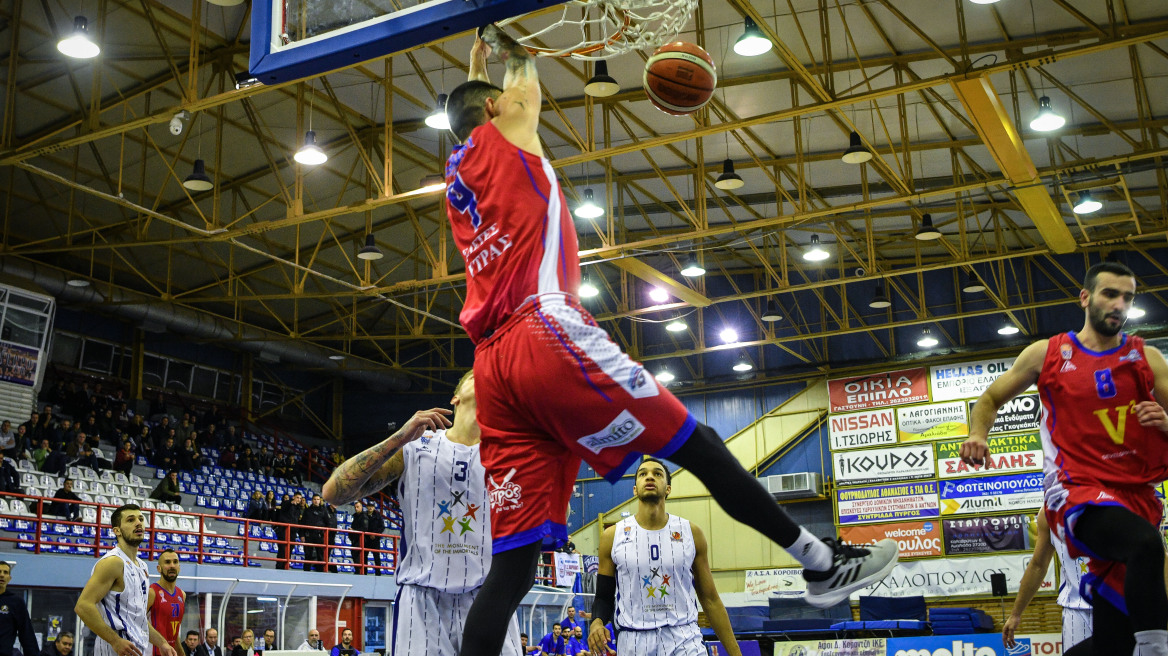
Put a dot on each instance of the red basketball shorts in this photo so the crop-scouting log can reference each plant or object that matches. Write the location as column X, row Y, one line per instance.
column 1103, row 577
column 552, row 388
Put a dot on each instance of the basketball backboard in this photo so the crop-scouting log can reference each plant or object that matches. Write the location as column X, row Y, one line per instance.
column 293, row 39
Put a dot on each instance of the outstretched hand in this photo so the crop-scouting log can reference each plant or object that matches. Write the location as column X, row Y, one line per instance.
column 424, row 420
column 480, row 51
column 598, row 639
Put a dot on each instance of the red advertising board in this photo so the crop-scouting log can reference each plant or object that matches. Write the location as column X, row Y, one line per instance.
column 878, row 390
column 915, row 539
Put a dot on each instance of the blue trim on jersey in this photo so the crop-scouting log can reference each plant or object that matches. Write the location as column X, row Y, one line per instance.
column 1092, row 583
column 530, row 176
column 1075, row 339
column 683, row 434
column 617, row 472
column 552, row 534
column 393, row 624
column 564, row 343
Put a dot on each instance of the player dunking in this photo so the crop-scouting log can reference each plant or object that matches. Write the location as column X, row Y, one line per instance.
column 167, row 602
column 552, row 386
column 661, row 569
column 446, row 535
column 113, row 602
column 1104, row 439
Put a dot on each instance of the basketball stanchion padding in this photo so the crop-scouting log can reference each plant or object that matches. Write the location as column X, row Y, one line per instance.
column 680, row 78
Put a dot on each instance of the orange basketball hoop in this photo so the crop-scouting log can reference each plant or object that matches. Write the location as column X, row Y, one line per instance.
column 608, row 28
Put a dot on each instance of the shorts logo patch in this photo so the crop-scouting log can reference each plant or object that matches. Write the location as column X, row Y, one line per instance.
column 505, row 495
column 620, row 431
column 638, row 383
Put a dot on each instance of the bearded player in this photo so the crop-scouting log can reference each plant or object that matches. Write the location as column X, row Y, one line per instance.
column 167, row 601
column 113, row 602
column 553, row 387
column 1105, row 446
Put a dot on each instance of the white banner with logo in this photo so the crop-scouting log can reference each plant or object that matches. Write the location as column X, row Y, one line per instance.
column 764, row 583
column 900, row 463
column 932, row 421
column 954, row 577
column 567, row 567
column 864, row 647
column 1021, row 413
column 860, row 429
column 966, row 380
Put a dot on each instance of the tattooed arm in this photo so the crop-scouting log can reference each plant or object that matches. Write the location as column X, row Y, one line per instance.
column 478, row 61
column 375, row 467
column 516, row 111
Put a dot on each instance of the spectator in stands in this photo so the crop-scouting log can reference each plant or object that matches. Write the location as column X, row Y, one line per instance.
column 65, row 433
column 291, row 512
column 30, row 426
column 62, row 646
column 90, row 427
column 7, row 438
column 61, row 506
column 270, row 499
column 371, row 526
column 185, row 429
column 257, row 507
column 107, row 426
column 55, row 462
column 553, row 643
column 167, row 489
column 248, row 461
column 235, row 642
column 269, row 640
column 576, row 645
column 229, row 436
column 346, row 648
column 213, row 437
column 191, row 644
column 40, row 454
column 14, row 620
column 59, row 394
column 210, row 646
column 265, row 461
column 23, row 440
column 280, row 466
column 124, row 459
column 48, row 422
column 145, row 441
column 570, row 623
column 158, row 406
column 166, row 457
column 312, row 642
column 316, row 517
column 74, row 449
column 9, row 477
column 227, row 457
column 189, row 458
column 161, row 430
column 87, row 458
column 246, row 646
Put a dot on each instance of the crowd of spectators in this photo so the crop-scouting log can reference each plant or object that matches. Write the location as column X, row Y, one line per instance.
column 313, row 523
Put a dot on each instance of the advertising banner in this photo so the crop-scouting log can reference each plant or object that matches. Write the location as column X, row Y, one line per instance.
column 978, row 644
column 987, row 534
column 1045, row 644
column 887, row 502
column 864, row 647
column 971, row 496
column 872, row 428
column 1008, row 454
column 966, row 380
column 878, row 390
column 935, row 421
column 915, row 539
column 567, row 567
column 18, row 364
column 764, row 583
column 1021, row 413
column 900, row 463
column 955, row 577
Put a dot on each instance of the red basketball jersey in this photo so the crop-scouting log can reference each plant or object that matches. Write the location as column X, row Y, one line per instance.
column 511, row 223
column 1089, row 430
column 166, row 613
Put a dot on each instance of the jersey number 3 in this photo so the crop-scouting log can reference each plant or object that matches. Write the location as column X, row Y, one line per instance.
column 463, row 199
column 460, row 467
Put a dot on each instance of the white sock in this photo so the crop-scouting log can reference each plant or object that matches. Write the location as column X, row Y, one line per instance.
column 1151, row 643
column 811, row 552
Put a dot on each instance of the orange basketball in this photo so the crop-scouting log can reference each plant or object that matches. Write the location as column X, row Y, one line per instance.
column 680, row 78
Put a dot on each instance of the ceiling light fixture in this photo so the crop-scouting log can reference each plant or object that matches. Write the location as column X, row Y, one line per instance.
column 927, row 340
column 1135, row 313
column 752, row 43
column 336, row 357
column 664, row 376
column 1047, row 119
column 676, row 326
column 1009, row 329
column 857, row 152
column 198, row 180
column 728, row 335
column 370, row 251
column 601, row 84
column 588, row 209
column 879, row 300
column 588, row 290
column 983, row 2
column 437, row 118
column 772, row 313
column 310, row 154
column 81, row 282
column 431, row 182
column 972, row 284
column 658, row 295
column 78, row 45
column 729, row 179
column 815, row 252
column 743, row 365
column 927, row 231
column 691, row 269
column 226, row 3
column 1087, row 204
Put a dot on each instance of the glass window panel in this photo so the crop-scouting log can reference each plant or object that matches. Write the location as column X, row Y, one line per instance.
column 203, row 382
column 24, row 327
column 97, row 356
column 178, row 376
column 34, row 303
column 66, row 349
column 295, row 623
column 153, row 370
column 51, row 611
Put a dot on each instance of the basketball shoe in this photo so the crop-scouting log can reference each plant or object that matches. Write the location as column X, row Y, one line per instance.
column 853, row 567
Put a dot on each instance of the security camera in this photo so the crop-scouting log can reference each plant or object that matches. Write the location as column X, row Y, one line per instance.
column 177, row 122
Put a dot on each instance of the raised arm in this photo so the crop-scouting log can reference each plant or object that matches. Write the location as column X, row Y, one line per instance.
column 478, row 61
column 708, row 595
column 1021, row 375
column 107, row 572
column 375, row 467
column 1151, row 413
column 516, row 111
column 1031, row 579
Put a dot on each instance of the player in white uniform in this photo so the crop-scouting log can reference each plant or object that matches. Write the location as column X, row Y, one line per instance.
column 661, row 571
column 1076, row 610
column 113, row 602
column 446, row 537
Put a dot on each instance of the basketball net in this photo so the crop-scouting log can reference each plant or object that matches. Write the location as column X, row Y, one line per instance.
column 607, row 28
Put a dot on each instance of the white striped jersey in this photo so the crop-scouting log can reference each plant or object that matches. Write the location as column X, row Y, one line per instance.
column 125, row 611
column 1071, row 576
column 446, row 538
column 654, row 575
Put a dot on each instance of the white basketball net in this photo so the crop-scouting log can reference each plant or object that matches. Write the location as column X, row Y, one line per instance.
column 606, row 28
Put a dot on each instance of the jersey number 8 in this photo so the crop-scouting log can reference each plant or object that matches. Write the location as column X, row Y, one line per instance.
column 1104, row 385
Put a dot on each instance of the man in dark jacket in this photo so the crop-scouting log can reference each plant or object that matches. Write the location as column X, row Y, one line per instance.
column 62, row 646
column 316, row 516
column 15, row 622
column 289, row 513
column 167, row 489
column 371, row 526
column 61, row 506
